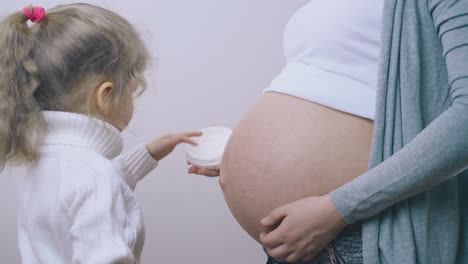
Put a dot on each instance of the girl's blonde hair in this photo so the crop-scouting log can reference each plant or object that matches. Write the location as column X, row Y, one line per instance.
column 54, row 65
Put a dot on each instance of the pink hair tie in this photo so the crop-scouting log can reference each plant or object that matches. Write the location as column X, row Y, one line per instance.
column 38, row 14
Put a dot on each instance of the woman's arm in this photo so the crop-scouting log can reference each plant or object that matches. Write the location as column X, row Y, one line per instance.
column 439, row 152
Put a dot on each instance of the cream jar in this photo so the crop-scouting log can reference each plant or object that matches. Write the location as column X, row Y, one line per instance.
column 210, row 149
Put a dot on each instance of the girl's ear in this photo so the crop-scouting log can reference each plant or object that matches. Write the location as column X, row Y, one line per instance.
column 102, row 96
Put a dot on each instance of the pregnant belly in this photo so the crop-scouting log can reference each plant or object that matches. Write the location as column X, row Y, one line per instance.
column 285, row 149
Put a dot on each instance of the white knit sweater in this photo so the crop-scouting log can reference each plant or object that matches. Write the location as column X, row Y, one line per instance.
column 76, row 202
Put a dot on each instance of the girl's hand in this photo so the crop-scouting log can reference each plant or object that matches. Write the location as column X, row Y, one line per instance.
column 205, row 172
column 300, row 230
column 163, row 146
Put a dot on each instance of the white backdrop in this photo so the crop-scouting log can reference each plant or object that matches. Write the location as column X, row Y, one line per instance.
column 214, row 57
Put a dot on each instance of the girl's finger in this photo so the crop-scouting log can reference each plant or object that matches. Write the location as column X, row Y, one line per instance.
column 192, row 134
column 188, row 141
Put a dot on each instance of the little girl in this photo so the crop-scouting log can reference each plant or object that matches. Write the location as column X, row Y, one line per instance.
column 66, row 91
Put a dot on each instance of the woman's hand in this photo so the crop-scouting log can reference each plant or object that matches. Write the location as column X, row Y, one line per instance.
column 163, row 146
column 204, row 171
column 300, row 230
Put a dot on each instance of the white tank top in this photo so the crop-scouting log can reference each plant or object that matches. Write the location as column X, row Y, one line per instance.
column 332, row 50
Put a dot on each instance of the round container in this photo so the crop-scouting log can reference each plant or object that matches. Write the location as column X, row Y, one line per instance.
column 210, row 149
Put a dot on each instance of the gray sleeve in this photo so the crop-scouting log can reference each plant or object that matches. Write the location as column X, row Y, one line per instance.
column 439, row 152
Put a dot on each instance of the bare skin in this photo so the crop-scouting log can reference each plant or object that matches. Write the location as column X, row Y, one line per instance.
column 286, row 149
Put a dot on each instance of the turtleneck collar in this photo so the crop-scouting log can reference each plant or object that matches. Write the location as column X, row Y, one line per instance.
column 79, row 130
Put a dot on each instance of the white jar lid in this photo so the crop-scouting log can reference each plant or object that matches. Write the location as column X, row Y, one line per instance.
column 210, row 149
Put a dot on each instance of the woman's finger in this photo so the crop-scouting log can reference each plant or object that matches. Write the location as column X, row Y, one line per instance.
column 295, row 257
column 309, row 257
column 203, row 171
column 192, row 170
column 311, row 252
column 275, row 217
column 208, row 172
column 272, row 239
column 280, row 252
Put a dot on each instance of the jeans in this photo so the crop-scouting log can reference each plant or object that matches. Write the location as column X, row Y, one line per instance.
column 345, row 249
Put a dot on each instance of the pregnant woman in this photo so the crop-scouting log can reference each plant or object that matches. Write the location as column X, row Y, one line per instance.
column 295, row 171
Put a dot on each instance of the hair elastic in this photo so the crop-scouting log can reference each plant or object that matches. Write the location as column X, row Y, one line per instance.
column 37, row 15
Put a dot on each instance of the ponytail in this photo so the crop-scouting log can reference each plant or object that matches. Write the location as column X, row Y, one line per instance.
column 20, row 117
column 55, row 64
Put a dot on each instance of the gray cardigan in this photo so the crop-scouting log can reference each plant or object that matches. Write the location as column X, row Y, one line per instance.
column 414, row 197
